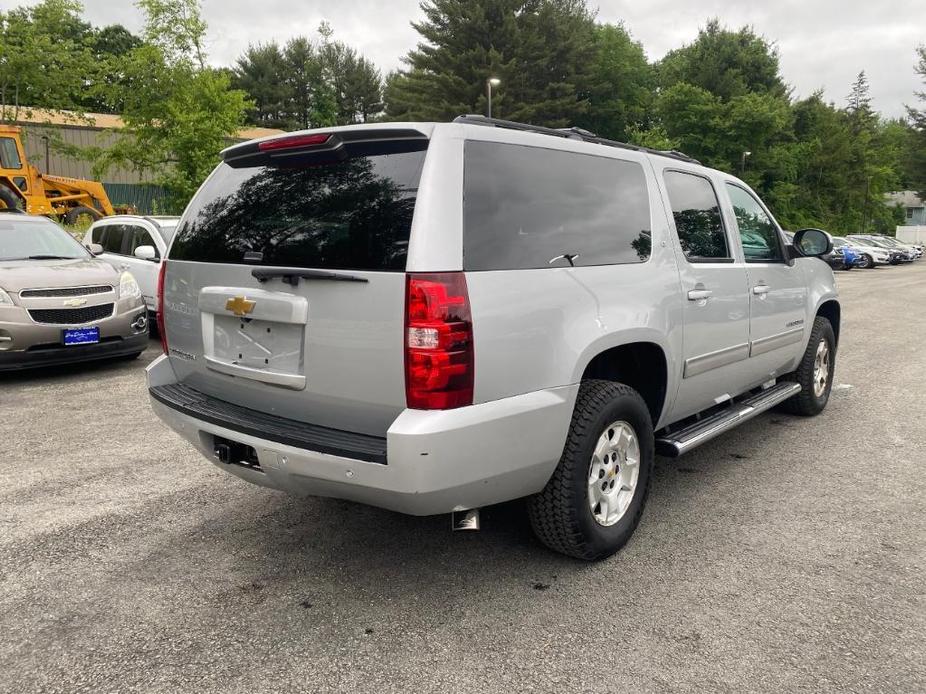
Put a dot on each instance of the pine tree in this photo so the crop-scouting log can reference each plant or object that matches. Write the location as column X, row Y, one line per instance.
column 541, row 50
column 259, row 72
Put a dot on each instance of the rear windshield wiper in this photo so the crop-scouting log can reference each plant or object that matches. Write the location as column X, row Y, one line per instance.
column 293, row 275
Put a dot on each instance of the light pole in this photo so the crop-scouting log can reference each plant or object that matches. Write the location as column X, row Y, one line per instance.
column 491, row 82
column 743, row 163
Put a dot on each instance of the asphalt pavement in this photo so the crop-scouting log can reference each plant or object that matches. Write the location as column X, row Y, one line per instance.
column 787, row 556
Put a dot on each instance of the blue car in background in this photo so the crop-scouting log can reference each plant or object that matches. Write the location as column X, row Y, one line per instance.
column 848, row 255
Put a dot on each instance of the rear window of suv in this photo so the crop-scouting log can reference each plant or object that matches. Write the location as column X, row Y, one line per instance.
column 524, row 207
column 354, row 214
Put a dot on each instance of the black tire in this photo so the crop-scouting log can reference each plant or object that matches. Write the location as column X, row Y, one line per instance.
column 807, row 403
column 73, row 215
column 9, row 199
column 560, row 514
column 866, row 262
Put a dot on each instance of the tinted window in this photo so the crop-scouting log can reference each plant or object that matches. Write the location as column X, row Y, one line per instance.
column 697, row 216
column 758, row 232
column 111, row 238
column 19, row 240
column 353, row 214
column 9, row 155
column 523, row 206
column 140, row 237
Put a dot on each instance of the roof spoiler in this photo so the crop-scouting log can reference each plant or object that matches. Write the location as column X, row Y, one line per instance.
column 337, row 145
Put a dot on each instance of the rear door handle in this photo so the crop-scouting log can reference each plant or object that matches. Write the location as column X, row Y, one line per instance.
column 699, row 294
column 760, row 289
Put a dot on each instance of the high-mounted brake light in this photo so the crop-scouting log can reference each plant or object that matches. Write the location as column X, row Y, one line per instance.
column 162, row 333
column 439, row 354
column 294, row 142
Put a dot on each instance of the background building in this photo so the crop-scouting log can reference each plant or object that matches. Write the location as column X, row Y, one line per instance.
column 914, row 227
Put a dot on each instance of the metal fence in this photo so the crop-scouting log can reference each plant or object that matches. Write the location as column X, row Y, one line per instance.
column 145, row 198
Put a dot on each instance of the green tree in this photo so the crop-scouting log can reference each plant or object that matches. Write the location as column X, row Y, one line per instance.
column 178, row 113
column 541, row 50
column 312, row 103
column 916, row 164
column 726, row 63
column 44, row 58
column 109, row 47
column 620, row 85
column 260, row 73
column 355, row 83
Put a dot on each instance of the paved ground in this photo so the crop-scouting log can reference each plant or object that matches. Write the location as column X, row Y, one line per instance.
column 788, row 556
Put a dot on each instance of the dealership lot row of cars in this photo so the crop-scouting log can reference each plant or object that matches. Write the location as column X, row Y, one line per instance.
column 868, row 251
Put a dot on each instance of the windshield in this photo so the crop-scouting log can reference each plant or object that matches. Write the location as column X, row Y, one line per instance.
column 37, row 240
column 874, row 242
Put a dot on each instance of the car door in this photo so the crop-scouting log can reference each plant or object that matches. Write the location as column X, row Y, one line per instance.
column 714, row 294
column 777, row 289
column 144, row 271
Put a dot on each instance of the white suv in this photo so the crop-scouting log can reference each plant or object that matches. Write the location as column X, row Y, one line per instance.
column 136, row 244
column 436, row 317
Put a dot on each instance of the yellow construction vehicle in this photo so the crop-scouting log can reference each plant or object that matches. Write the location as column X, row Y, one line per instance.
column 23, row 187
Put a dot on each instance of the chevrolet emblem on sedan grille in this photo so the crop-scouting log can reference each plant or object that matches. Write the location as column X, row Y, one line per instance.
column 74, row 302
column 240, row 306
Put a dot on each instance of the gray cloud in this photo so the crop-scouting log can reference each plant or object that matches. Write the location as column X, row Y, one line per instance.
column 823, row 43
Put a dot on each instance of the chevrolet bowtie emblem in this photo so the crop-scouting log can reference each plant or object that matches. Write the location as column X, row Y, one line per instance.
column 240, row 306
column 74, row 302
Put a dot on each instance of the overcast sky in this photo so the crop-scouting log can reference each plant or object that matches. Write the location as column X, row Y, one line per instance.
column 823, row 43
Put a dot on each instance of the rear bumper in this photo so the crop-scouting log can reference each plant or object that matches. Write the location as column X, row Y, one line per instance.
column 435, row 461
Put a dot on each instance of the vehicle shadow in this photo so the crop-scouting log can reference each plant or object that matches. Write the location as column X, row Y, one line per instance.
column 272, row 549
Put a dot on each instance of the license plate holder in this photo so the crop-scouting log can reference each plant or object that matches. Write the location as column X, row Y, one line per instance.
column 80, row 336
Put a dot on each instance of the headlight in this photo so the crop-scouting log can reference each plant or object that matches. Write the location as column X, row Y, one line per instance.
column 128, row 287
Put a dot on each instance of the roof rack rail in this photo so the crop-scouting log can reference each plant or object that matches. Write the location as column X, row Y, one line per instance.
column 572, row 133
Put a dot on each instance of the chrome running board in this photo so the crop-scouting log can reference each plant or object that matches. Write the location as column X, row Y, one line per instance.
column 681, row 441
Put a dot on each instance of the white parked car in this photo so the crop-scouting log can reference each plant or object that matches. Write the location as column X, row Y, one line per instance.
column 136, row 244
column 870, row 255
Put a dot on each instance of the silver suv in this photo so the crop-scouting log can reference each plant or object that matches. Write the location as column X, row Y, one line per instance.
column 431, row 318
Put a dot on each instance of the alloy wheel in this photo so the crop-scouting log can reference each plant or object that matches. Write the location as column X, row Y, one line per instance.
column 613, row 473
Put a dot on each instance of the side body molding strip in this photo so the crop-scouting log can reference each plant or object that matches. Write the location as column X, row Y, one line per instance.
column 714, row 360
column 767, row 344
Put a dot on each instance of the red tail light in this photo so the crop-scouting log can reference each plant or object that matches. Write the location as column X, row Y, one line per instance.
column 292, row 142
column 162, row 333
column 439, row 352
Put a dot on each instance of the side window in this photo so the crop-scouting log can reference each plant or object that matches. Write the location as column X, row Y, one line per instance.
column 525, row 206
column 9, row 155
column 757, row 231
column 697, row 217
column 111, row 238
column 140, row 237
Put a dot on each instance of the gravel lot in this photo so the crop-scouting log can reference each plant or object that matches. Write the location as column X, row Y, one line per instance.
column 787, row 556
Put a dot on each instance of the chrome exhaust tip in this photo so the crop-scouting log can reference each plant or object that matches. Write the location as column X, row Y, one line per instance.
column 465, row 520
